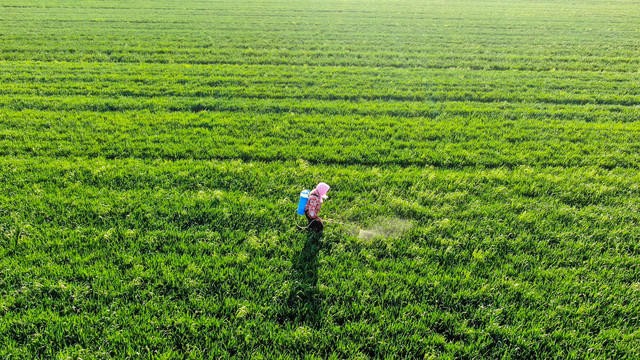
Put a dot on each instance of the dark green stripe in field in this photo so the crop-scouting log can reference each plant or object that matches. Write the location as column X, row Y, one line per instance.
column 152, row 153
column 447, row 141
column 125, row 83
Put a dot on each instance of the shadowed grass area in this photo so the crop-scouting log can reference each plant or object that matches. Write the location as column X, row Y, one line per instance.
column 305, row 302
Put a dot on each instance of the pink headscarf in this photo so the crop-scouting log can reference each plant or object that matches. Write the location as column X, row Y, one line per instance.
column 322, row 189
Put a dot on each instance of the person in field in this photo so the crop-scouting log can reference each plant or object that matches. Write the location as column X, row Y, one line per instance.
column 312, row 209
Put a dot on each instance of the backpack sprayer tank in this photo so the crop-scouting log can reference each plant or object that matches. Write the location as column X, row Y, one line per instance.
column 304, row 197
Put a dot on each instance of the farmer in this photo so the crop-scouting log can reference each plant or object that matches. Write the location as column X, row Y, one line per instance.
column 312, row 209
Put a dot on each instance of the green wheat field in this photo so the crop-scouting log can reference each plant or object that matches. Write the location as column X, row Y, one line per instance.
column 483, row 157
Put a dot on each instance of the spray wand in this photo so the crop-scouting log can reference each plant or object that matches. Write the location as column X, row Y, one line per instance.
column 341, row 223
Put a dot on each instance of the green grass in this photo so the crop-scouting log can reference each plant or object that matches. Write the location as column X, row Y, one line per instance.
column 152, row 153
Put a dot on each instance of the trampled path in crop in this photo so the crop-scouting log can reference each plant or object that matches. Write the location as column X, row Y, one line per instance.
column 152, row 153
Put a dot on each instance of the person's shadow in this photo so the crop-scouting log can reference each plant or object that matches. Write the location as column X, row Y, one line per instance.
column 304, row 302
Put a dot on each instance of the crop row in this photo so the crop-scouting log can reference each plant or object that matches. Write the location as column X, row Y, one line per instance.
column 403, row 109
column 321, row 92
column 335, row 76
column 385, row 47
column 324, row 84
column 321, row 58
column 414, row 85
column 450, row 141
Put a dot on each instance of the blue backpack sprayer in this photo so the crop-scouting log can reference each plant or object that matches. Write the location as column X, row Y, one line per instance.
column 302, row 203
column 304, row 197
